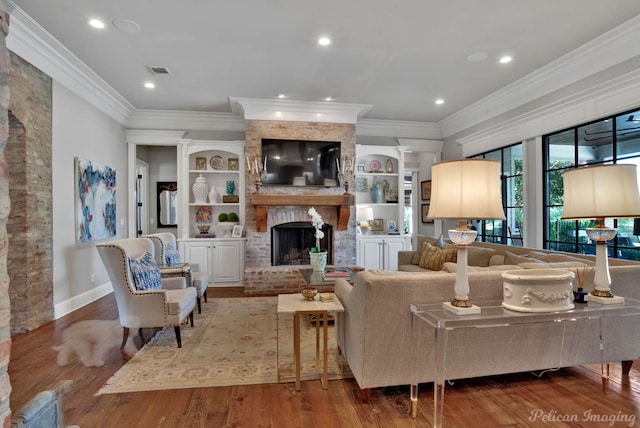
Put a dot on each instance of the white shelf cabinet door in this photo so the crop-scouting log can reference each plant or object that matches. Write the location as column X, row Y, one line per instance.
column 370, row 254
column 391, row 248
column 198, row 255
column 380, row 252
column 228, row 262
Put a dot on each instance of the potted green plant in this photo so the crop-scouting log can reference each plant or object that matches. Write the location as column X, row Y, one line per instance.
column 226, row 222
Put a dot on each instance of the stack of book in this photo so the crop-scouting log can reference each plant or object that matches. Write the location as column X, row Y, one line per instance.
column 332, row 275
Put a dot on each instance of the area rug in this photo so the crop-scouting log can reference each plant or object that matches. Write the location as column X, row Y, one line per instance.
column 235, row 341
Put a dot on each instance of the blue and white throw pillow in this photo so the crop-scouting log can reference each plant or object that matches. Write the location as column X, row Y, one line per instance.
column 171, row 255
column 145, row 273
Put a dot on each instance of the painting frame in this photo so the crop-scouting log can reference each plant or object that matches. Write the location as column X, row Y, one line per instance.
column 360, row 167
column 377, row 225
column 425, row 190
column 201, row 163
column 233, row 164
column 237, row 231
column 95, row 201
column 424, row 212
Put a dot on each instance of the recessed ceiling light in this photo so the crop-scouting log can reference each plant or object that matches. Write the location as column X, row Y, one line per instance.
column 328, row 99
column 505, row 59
column 281, row 96
column 477, row 56
column 149, row 85
column 324, row 41
column 96, row 23
column 439, row 101
column 126, row 25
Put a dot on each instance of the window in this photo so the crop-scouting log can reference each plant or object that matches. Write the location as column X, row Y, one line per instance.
column 610, row 140
column 508, row 231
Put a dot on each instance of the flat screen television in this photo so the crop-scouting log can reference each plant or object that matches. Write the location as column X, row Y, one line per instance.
column 287, row 160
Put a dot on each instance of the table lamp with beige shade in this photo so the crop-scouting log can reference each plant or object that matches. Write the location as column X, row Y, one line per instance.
column 462, row 190
column 601, row 192
column 363, row 216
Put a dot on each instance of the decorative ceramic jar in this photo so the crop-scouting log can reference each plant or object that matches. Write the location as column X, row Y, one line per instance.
column 200, row 190
column 318, row 261
column 213, row 195
column 376, row 193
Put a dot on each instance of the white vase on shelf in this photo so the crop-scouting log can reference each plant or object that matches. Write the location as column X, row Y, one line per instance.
column 200, row 190
column 213, row 195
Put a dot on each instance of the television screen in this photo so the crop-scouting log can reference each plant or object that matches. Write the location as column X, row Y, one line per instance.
column 300, row 163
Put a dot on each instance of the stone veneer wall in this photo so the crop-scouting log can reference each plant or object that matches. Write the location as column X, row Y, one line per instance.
column 260, row 277
column 30, row 227
column 5, row 306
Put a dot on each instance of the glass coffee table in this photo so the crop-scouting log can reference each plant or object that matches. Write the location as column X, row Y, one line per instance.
column 315, row 279
column 440, row 323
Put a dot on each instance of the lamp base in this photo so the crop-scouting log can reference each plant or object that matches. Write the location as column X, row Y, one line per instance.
column 613, row 300
column 470, row 310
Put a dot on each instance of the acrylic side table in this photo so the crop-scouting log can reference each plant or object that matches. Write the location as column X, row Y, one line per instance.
column 440, row 323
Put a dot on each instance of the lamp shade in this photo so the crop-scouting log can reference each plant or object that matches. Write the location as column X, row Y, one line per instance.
column 466, row 189
column 364, row 214
column 604, row 191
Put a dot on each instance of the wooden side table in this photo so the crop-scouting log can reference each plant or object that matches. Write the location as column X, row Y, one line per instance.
column 296, row 305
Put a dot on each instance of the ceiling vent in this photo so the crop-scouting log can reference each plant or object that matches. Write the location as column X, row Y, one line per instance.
column 159, row 71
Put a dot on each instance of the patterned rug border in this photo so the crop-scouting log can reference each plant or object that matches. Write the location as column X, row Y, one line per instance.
column 258, row 369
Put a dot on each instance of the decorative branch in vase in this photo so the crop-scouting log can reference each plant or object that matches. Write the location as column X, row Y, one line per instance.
column 581, row 275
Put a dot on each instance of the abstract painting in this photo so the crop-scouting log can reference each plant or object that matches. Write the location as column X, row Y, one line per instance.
column 95, row 201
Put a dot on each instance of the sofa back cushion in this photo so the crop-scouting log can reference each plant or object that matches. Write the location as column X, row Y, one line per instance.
column 433, row 258
column 479, row 256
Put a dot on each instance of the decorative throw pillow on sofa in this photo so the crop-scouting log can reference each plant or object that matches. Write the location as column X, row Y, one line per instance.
column 420, row 241
column 433, row 258
column 171, row 255
column 145, row 273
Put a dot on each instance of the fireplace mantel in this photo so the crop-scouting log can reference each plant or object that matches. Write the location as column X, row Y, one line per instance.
column 262, row 201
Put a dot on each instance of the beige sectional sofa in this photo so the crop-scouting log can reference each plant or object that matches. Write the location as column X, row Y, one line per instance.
column 375, row 336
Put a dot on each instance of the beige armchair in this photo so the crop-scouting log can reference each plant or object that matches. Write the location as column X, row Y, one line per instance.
column 199, row 280
column 167, row 306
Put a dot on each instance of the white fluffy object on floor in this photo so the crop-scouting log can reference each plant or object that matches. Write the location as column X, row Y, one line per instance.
column 91, row 340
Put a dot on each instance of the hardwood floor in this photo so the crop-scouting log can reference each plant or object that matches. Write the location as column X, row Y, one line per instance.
column 565, row 398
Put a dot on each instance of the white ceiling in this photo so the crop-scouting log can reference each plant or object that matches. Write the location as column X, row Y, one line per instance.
column 398, row 56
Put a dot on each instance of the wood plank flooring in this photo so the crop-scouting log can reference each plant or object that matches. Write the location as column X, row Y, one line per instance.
column 565, row 398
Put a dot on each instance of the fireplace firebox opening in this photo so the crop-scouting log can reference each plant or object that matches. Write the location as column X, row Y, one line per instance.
column 291, row 243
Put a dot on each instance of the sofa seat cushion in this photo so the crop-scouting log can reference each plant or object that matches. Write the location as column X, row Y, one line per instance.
column 453, row 267
column 553, row 265
column 145, row 273
column 433, row 258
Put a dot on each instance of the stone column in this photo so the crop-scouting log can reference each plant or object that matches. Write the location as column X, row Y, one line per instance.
column 5, row 313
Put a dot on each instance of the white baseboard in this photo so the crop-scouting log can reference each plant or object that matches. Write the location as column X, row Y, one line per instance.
column 63, row 308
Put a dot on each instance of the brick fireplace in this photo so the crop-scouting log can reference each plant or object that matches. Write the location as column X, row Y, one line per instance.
column 260, row 276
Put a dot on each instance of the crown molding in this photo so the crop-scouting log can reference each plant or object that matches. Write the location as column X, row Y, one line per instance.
column 191, row 120
column 601, row 53
column 154, row 137
column 398, row 129
column 33, row 43
column 297, row 111
column 607, row 98
column 419, row 146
